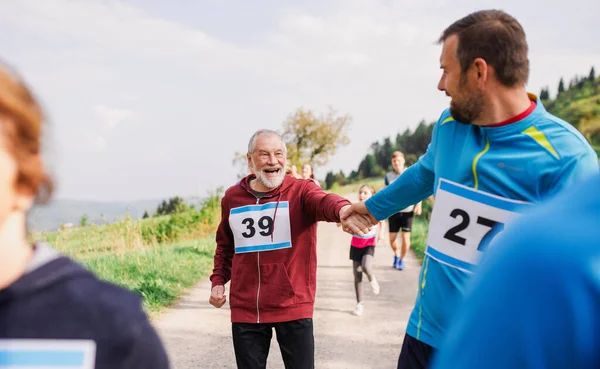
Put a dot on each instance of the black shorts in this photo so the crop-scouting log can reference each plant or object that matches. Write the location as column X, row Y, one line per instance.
column 401, row 221
column 357, row 253
column 415, row 354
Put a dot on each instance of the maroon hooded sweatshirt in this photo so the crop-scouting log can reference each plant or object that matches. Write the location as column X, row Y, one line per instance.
column 266, row 247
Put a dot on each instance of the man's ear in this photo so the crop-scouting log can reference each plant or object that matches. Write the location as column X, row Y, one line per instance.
column 481, row 71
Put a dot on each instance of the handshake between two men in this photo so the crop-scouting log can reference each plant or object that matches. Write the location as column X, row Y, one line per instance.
column 356, row 219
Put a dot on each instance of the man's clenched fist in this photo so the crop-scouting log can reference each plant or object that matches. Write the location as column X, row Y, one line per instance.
column 217, row 296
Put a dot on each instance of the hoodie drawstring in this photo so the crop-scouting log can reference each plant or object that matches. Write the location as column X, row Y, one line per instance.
column 274, row 216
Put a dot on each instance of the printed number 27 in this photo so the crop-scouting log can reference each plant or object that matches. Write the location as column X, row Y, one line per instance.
column 451, row 234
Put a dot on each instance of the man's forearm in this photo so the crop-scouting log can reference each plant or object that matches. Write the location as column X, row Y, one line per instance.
column 414, row 185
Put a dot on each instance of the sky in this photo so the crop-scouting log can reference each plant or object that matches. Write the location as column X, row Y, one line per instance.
column 150, row 99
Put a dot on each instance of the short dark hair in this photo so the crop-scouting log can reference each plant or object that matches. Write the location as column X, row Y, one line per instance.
column 397, row 154
column 496, row 37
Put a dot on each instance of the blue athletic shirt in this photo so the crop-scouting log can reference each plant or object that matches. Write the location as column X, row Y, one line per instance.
column 482, row 178
column 535, row 300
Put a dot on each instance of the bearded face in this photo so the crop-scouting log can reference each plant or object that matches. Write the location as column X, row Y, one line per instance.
column 268, row 161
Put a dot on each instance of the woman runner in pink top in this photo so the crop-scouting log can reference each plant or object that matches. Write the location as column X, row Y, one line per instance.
column 362, row 252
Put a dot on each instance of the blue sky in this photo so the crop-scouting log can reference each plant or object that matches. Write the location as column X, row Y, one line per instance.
column 149, row 99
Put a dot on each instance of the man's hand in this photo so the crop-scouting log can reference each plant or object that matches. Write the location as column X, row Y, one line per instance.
column 356, row 219
column 217, row 296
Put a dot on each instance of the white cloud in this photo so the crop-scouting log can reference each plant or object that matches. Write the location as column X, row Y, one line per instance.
column 112, row 117
column 110, row 24
column 99, row 144
column 201, row 96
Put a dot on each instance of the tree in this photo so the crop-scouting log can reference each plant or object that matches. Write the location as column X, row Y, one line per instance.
column 545, row 94
column 384, row 159
column 314, row 139
column 329, row 180
column 174, row 205
column 84, row 220
column 162, row 208
column 561, row 86
column 241, row 162
column 368, row 167
column 340, row 178
column 592, row 76
column 146, row 215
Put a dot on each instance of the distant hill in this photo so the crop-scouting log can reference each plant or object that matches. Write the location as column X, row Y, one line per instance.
column 62, row 211
column 579, row 104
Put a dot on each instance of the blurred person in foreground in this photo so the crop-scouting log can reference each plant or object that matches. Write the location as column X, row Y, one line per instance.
column 53, row 312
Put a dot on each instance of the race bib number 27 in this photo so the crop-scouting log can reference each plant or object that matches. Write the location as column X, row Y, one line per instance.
column 464, row 221
column 261, row 227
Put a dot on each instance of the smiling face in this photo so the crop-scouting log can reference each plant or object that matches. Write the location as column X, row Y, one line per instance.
column 398, row 163
column 268, row 161
column 307, row 171
column 467, row 103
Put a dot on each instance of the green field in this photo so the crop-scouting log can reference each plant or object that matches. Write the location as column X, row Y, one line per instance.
column 160, row 258
column 160, row 274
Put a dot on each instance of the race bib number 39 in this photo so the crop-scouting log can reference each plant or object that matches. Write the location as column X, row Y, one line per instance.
column 47, row 354
column 464, row 221
column 261, row 227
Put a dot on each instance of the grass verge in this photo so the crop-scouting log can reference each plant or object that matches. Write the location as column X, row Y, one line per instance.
column 159, row 274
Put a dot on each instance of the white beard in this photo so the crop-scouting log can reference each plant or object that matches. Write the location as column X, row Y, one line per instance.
column 267, row 182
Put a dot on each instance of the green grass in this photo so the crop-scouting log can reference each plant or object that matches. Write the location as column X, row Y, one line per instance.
column 160, row 274
column 159, row 258
column 376, row 182
column 418, row 236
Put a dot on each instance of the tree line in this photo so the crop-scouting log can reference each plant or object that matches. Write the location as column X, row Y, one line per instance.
column 377, row 161
column 173, row 205
column 575, row 82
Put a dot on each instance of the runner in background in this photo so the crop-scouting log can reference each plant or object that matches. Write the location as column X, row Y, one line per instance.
column 295, row 173
column 307, row 173
column 52, row 310
column 362, row 254
column 401, row 221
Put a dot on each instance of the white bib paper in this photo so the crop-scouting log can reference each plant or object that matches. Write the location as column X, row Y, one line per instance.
column 464, row 221
column 259, row 228
column 47, row 354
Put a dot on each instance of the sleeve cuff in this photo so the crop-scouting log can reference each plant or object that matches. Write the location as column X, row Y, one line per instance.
column 217, row 281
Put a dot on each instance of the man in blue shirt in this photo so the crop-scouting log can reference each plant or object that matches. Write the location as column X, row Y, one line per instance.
column 535, row 300
column 401, row 221
column 494, row 153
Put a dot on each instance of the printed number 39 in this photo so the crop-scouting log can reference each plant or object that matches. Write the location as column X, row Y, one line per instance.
column 495, row 228
column 265, row 223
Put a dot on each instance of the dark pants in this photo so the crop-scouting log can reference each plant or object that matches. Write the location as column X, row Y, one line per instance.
column 251, row 344
column 415, row 354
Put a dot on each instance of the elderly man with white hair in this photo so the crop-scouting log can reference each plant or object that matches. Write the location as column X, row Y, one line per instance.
column 266, row 247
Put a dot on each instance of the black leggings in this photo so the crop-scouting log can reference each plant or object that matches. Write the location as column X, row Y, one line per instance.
column 367, row 267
